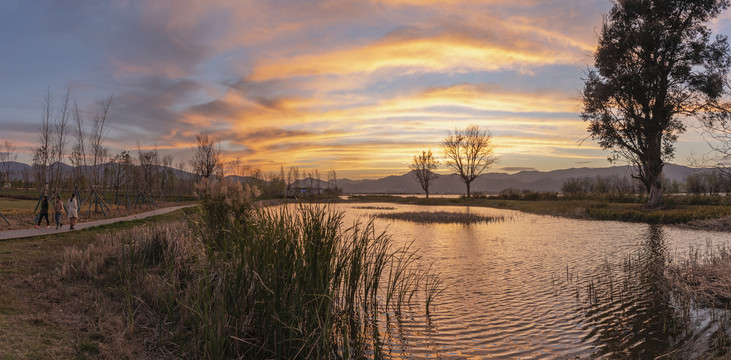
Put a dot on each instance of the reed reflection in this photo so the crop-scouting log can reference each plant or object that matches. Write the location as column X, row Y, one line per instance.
column 629, row 306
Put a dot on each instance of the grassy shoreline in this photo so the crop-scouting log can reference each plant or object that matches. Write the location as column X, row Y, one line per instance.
column 227, row 280
column 692, row 214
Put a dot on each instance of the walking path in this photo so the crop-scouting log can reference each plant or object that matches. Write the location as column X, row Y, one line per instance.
column 22, row 233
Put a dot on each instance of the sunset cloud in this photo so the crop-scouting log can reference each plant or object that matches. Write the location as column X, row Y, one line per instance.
column 412, row 50
column 354, row 86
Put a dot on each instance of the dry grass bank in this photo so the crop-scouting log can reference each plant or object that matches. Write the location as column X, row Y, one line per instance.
column 231, row 281
column 43, row 317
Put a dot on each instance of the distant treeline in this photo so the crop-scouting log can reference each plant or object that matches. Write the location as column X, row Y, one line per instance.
column 704, row 182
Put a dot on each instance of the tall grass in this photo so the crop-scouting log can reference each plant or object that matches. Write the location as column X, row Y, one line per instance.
column 243, row 282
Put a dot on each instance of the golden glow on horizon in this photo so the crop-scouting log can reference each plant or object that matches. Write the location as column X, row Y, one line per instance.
column 353, row 137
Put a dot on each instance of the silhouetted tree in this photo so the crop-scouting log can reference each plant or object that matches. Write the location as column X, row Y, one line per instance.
column 97, row 136
column 148, row 168
column 7, row 155
column 79, row 149
column 42, row 153
column 206, row 156
column 293, row 178
column 469, row 152
column 655, row 64
column 60, row 134
column 121, row 172
column 423, row 166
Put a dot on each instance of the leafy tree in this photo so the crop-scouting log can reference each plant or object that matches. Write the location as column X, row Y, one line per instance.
column 655, row 65
column 469, row 152
column 423, row 166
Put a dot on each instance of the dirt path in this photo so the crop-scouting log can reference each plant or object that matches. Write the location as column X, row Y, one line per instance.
column 23, row 233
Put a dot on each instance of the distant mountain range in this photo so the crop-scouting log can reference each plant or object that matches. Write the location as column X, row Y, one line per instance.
column 494, row 182
column 491, row 182
column 18, row 170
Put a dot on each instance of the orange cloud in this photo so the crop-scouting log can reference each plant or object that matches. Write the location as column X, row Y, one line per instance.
column 444, row 53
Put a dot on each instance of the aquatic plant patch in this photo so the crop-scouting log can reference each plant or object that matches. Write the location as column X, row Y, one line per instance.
column 444, row 217
column 375, row 207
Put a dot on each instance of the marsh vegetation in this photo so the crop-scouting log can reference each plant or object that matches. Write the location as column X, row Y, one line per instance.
column 443, row 217
column 238, row 281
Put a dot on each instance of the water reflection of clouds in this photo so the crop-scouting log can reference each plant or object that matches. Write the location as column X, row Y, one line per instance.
column 521, row 287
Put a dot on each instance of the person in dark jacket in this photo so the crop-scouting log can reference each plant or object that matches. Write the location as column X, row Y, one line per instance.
column 58, row 210
column 44, row 212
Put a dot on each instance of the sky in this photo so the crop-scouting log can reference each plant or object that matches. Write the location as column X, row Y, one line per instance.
column 358, row 87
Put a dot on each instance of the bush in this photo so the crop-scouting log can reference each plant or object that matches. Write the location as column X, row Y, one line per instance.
column 516, row 194
column 584, row 186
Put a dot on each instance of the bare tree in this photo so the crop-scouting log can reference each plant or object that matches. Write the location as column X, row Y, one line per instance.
column 183, row 180
column 232, row 166
column 237, row 168
column 423, row 166
column 469, row 152
column 41, row 154
column 206, row 156
column 78, row 152
column 7, row 156
column 97, row 137
column 148, row 164
column 332, row 180
column 60, row 133
column 293, row 180
column 26, row 175
column 121, row 165
column 283, row 186
column 167, row 176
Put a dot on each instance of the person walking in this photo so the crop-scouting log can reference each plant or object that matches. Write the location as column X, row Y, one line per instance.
column 58, row 211
column 44, row 212
column 73, row 211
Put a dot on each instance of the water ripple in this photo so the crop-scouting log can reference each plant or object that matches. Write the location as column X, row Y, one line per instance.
column 538, row 287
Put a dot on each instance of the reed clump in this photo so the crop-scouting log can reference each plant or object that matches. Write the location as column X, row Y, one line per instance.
column 705, row 277
column 238, row 281
column 444, row 217
column 703, row 281
column 374, row 207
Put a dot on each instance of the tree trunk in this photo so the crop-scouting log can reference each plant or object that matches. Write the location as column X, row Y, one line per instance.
column 468, row 189
column 427, row 193
column 655, row 198
column 653, row 172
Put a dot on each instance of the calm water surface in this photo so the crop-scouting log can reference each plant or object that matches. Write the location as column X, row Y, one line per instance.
column 541, row 287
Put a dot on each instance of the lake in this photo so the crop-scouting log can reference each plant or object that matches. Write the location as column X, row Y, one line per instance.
column 543, row 287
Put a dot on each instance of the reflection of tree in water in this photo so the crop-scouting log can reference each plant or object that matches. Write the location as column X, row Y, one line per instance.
column 630, row 305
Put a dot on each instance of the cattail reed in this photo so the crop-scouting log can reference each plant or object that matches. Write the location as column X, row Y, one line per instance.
column 237, row 281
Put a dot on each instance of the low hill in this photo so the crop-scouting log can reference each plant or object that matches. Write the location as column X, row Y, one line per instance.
column 494, row 182
column 446, row 184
